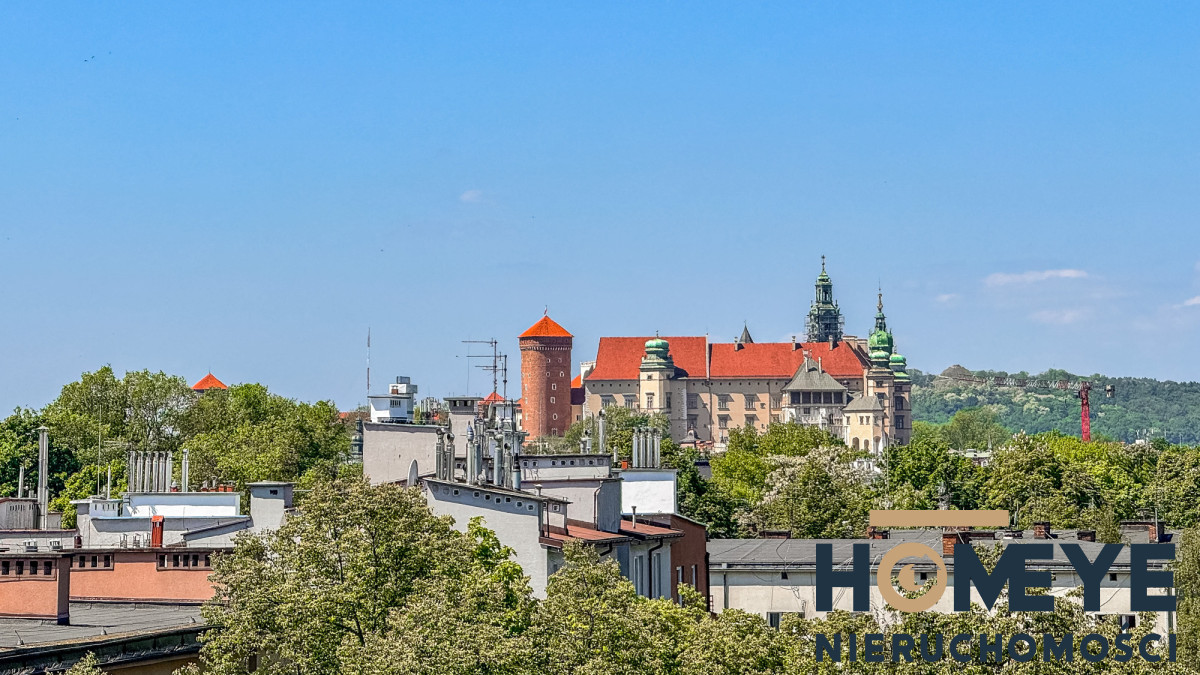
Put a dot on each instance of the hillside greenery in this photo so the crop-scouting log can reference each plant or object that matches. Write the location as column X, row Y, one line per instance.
column 1141, row 408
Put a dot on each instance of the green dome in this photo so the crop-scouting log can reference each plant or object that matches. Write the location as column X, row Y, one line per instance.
column 898, row 360
column 657, row 345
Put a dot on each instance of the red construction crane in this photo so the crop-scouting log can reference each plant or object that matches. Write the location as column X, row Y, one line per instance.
column 1081, row 388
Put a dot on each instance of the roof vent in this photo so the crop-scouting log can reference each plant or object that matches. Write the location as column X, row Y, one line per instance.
column 30, row 546
column 55, row 544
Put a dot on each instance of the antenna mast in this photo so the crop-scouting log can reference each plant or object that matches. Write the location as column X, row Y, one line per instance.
column 498, row 366
column 368, row 401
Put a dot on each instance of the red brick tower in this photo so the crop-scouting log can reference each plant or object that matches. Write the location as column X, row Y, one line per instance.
column 545, row 379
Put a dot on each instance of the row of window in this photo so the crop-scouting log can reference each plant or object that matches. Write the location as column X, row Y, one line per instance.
column 488, row 497
column 7, row 567
column 182, row 560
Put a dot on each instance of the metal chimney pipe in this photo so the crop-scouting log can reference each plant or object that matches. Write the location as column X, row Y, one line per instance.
column 169, row 469
column 448, row 463
column 439, row 455
column 516, row 473
column 43, row 469
column 145, row 477
column 656, row 460
column 130, row 469
column 183, row 471
column 636, row 451
column 602, row 428
column 21, row 482
column 155, row 467
column 108, row 485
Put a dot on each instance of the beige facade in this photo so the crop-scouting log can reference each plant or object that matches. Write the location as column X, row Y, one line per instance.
column 744, row 386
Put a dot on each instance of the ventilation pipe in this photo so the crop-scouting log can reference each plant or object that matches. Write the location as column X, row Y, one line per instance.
column 603, row 425
column 448, row 462
column 516, row 474
column 43, row 469
column 472, row 443
column 439, row 454
column 656, row 460
column 183, row 471
column 21, row 482
column 169, row 471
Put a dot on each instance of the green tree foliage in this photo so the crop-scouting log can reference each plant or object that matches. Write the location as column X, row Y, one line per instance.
column 1187, row 587
column 365, row 580
column 19, row 447
column 930, row 476
column 88, row 665
column 1141, row 408
column 820, row 495
column 234, row 436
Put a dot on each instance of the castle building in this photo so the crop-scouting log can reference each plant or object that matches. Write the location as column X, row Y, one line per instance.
column 545, row 379
column 856, row 389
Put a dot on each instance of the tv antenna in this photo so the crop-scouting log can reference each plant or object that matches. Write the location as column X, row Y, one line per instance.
column 498, row 367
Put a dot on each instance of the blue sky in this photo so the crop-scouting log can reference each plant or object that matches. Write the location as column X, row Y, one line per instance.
column 246, row 187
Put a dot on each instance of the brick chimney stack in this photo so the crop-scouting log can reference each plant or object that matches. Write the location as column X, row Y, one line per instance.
column 1041, row 530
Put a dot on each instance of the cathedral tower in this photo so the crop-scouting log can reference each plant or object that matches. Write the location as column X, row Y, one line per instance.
column 824, row 318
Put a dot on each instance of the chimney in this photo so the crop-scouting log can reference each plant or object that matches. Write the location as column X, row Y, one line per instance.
column 1041, row 530
column 1086, row 535
column 634, row 509
column 156, row 531
column 831, row 345
column 183, row 471
column 43, row 494
column 21, row 482
column 1156, row 532
column 876, row 533
column 949, row 539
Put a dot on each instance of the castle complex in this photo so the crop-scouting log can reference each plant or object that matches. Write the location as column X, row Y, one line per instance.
column 855, row 388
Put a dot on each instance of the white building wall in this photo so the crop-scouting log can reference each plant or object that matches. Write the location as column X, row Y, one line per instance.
column 389, row 451
column 650, row 490
column 516, row 521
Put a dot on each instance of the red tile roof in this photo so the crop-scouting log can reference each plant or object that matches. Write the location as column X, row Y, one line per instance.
column 618, row 358
column 492, row 398
column 644, row 529
column 208, row 382
column 577, row 382
column 779, row 360
column 585, row 534
column 546, row 327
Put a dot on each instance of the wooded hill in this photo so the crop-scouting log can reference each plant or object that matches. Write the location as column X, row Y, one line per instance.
column 1141, row 408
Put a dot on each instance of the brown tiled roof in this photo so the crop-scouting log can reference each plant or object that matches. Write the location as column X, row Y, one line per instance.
column 584, row 534
column 209, row 382
column 642, row 529
column 546, row 327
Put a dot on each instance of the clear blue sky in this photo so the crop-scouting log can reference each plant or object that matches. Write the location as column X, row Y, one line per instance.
column 246, row 187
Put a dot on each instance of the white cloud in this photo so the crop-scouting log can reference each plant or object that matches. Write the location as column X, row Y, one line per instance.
column 1058, row 316
column 945, row 298
column 471, row 197
column 1001, row 278
column 1191, row 302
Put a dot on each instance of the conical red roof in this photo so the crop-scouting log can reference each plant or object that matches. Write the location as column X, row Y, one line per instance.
column 493, row 398
column 209, row 382
column 546, row 327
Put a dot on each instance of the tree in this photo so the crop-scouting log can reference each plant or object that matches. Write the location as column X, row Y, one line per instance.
column 975, row 429
column 1187, row 588
column 927, row 471
column 19, row 447
column 88, row 665
column 822, row 495
column 314, row 594
column 589, row 623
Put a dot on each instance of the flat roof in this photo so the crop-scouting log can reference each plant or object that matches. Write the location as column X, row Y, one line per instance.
column 93, row 620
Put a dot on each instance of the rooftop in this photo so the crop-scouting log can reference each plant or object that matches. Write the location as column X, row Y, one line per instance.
column 209, row 382
column 620, row 358
column 104, row 621
column 546, row 327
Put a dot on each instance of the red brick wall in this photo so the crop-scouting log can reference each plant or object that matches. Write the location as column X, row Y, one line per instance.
column 688, row 552
column 545, row 375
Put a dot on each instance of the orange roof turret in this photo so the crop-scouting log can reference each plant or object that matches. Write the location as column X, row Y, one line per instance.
column 208, row 382
column 492, row 398
column 546, row 327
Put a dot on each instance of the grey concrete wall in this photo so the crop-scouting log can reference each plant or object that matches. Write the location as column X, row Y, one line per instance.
column 390, row 449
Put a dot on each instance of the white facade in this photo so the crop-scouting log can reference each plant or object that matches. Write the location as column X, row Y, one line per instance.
column 397, row 405
column 175, row 505
column 647, row 491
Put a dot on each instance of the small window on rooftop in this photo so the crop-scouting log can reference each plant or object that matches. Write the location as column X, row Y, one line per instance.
column 4, row 568
column 507, row 500
column 456, row 492
column 46, row 567
column 20, row 567
column 475, row 495
column 1111, row 576
column 94, row 560
column 274, row 492
column 108, row 561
